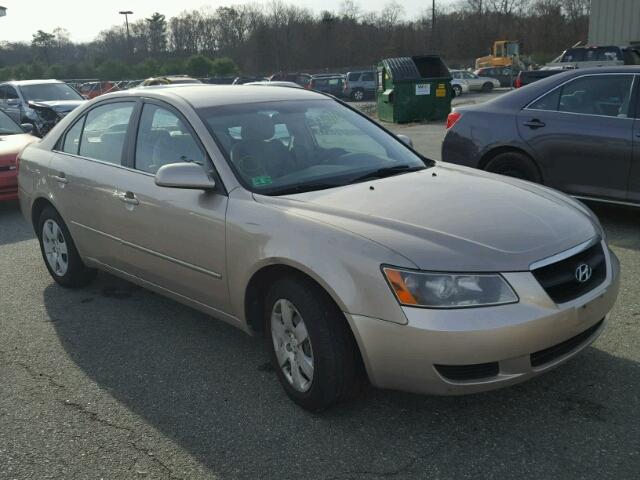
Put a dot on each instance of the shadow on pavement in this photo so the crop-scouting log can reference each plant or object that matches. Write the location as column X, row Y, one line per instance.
column 622, row 224
column 13, row 227
column 208, row 387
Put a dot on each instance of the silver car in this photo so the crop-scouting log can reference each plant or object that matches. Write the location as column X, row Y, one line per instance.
column 476, row 83
column 286, row 213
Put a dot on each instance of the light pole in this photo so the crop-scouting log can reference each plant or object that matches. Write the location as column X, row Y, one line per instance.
column 126, row 14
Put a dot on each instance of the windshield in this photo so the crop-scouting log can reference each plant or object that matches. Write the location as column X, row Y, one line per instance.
column 47, row 92
column 8, row 126
column 294, row 146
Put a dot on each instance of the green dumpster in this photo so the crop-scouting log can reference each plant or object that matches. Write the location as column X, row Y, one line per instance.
column 413, row 89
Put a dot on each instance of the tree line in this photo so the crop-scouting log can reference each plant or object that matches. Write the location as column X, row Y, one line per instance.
column 279, row 36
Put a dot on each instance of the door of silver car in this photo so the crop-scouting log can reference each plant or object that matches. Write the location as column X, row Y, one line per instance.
column 81, row 171
column 171, row 237
column 582, row 134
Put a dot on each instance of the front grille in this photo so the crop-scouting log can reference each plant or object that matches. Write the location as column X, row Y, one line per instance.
column 550, row 354
column 478, row 371
column 559, row 279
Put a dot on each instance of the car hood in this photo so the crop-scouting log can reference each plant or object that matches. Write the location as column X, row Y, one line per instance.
column 452, row 218
column 61, row 106
column 11, row 145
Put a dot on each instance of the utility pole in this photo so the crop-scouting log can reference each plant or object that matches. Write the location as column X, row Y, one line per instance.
column 433, row 24
column 126, row 14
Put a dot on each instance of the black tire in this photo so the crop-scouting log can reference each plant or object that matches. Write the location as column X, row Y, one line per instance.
column 487, row 87
column 514, row 164
column 338, row 372
column 457, row 90
column 76, row 274
column 357, row 95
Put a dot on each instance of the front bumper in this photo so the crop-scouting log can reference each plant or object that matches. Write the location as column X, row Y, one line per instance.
column 520, row 340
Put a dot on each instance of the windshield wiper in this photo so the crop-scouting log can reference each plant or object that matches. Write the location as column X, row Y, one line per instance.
column 305, row 187
column 388, row 172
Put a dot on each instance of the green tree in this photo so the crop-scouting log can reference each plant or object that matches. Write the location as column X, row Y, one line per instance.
column 157, row 33
column 44, row 42
column 198, row 66
column 222, row 67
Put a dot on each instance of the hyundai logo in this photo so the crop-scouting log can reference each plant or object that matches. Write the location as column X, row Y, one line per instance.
column 583, row 273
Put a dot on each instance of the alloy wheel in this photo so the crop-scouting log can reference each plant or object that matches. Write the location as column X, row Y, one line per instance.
column 55, row 247
column 292, row 345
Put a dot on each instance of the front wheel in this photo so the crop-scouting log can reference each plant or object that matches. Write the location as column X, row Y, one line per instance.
column 357, row 95
column 311, row 346
column 457, row 90
column 59, row 251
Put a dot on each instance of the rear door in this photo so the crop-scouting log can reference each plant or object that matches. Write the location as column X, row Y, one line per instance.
column 634, row 177
column 581, row 133
column 83, row 164
column 171, row 237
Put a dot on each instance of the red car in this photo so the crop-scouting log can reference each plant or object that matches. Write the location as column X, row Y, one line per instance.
column 13, row 138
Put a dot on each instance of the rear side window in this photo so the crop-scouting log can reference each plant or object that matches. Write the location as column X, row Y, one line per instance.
column 104, row 132
column 71, row 142
column 164, row 138
column 368, row 77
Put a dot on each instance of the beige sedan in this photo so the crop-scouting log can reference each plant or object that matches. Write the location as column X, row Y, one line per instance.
column 286, row 213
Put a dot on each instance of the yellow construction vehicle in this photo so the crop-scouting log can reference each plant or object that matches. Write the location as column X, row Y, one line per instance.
column 504, row 53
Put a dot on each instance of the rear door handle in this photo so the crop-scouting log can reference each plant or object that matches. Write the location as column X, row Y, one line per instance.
column 61, row 178
column 534, row 123
column 129, row 198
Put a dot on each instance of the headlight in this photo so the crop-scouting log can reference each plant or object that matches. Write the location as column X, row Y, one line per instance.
column 448, row 290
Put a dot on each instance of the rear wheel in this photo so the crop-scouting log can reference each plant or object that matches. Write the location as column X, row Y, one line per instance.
column 357, row 95
column 59, row 251
column 487, row 87
column 311, row 346
column 514, row 164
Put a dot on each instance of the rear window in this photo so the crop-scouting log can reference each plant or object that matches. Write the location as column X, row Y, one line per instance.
column 599, row 54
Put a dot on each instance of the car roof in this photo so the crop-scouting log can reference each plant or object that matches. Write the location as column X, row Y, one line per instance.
column 31, row 82
column 205, row 95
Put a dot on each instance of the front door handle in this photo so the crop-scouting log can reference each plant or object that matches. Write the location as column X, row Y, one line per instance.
column 129, row 198
column 534, row 123
column 60, row 178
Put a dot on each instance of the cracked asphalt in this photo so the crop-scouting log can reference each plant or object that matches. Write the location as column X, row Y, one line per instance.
column 115, row 382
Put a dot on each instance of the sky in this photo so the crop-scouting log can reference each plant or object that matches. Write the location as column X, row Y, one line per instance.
column 85, row 18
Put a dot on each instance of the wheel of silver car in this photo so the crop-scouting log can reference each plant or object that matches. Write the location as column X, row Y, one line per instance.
column 457, row 90
column 487, row 87
column 312, row 347
column 357, row 95
column 292, row 345
column 59, row 251
column 55, row 247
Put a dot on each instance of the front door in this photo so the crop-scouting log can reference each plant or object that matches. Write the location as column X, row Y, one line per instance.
column 173, row 238
column 581, row 133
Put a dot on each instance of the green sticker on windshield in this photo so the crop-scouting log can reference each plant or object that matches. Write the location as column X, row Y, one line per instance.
column 261, row 181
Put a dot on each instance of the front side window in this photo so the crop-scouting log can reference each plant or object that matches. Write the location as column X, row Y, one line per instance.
column 104, row 132
column 299, row 145
column 597, row 95
column 48, row 92
column 354, row 77
column 164, row 138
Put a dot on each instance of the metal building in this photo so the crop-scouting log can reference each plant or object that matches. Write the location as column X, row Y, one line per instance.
column 614, row 22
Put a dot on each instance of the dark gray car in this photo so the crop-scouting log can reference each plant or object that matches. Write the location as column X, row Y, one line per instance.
column 575, row 131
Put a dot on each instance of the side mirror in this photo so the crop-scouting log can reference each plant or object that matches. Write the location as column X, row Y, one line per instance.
column 26, row 127
column 13, row 102
column 406, row 140
column 184, row 175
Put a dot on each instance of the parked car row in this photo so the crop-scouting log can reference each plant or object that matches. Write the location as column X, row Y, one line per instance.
column 288, row 215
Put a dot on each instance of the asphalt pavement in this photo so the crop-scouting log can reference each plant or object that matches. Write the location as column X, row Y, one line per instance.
column 115, row 382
